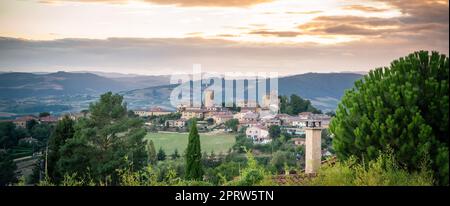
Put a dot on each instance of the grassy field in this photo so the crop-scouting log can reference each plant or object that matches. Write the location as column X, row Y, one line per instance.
column 209, row 142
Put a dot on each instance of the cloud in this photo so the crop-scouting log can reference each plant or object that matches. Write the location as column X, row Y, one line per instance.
column 364, row 8
column 421, row 20
column 167, row 55
column 182, row 3
column 277, row 33
column 211, row 3
column 304, row 12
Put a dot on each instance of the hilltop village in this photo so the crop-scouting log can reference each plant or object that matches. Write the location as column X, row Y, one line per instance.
column 255, row 118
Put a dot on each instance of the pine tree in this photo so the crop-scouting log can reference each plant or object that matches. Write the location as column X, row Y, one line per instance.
column 107, row 140
column 64, row 130
column 161, row 154
column 175, row 155
column 403, row 108
column 194, row 170
column 151, row 152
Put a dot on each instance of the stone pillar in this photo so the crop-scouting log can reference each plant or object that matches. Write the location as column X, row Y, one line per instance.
column 313, row 150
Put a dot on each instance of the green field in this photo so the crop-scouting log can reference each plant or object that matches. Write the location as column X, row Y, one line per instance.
column 209, row 142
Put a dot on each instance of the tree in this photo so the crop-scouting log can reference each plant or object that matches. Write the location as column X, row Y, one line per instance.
column 64, row 130
column 295, row 105
column 232, row 124
column 404, row 108
column 44, row 114
column 161, row 154
column 7, row 171
column 274, row 131
column 8, row 135
column 151, row 152
column 194, row 170
column 30, row 124
column 282, row 158
column 105, row 142
column 41, row 132
column 175, row 155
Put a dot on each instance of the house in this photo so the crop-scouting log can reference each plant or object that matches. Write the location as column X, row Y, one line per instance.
column 298, row 141
column 271, row 120
column 28, row 140
column 285, row 118
column 158, row 111
column 143, row 113
column 22, row 121
column 75, row 116
column 259, row 134
column 155, row 111
column 305, row 115
column 246, row 117
column 202, row 125
column 180, row 123
column 222, row 117
column 48, row 119
column 297, row 122
column 192, row 112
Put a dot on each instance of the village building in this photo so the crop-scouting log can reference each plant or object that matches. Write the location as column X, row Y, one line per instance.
column 222, row 117
column 155, row 111
column 48, row 119
column 305, row 115
column 298, row 141
column 193, row 112
column 179, row 123
column 75, row 116
column 271, row 120
column 246, row 116
column 22, row 121
column 259, row 134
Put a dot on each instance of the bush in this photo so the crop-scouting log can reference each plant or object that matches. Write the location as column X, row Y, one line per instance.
column 383, row 171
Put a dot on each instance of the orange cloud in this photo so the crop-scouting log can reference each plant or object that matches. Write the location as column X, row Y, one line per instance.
column 183, row 3
column 364, row 8
column 210, row 3
column 277, row 33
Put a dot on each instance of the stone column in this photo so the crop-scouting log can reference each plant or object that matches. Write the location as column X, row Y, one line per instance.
column 313, row 150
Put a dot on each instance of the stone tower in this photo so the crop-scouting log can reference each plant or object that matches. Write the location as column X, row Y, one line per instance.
column 313, row 151
column 209, row 98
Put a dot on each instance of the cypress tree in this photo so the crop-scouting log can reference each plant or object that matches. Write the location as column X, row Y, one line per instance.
column 194, row 170
column 151, row 152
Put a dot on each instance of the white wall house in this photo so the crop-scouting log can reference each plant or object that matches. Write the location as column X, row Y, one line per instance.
column 259, row 134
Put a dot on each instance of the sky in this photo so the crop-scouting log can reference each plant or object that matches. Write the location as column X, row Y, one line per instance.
column 167, row 36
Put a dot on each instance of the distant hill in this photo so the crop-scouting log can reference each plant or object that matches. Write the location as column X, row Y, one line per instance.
column 21, row 85
column 323, row 89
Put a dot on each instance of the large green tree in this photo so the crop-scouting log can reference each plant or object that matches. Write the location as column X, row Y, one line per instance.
column 7, row 169
column 194, row 170
column 8, row 135
column 295, row 104
column 232, row 124
column 64, row 130
column 403, row 108
column 105, row 141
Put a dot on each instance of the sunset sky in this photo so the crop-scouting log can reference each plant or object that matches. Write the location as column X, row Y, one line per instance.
column 164, row 36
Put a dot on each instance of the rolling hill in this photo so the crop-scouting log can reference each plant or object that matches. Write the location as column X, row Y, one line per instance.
column 69, row 89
